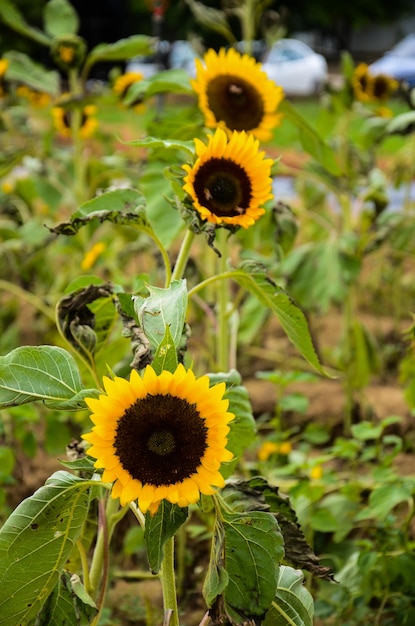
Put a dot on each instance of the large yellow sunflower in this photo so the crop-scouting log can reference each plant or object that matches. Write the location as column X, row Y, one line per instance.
column 62, row 119
column 235, row 93
column 230, row 180
column 160, row 437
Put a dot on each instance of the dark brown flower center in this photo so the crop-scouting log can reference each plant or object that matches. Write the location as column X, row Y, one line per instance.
column 223, row 187
column 67, row 118
column 236, row 102
column 381, row 87
column 160, row 440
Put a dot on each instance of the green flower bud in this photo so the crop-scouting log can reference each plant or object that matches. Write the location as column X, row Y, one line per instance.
column 68, row 51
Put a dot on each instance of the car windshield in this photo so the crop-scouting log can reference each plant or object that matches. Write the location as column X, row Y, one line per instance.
column 405, row 48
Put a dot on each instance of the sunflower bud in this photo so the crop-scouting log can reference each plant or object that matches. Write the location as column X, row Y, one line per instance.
column 68, row 51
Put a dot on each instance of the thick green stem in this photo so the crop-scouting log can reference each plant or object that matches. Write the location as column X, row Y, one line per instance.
column 168, row 583
column 183, row 256
column 222, row 337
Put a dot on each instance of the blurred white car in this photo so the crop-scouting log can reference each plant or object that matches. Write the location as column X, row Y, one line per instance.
column 183, row 56
column 299, row 70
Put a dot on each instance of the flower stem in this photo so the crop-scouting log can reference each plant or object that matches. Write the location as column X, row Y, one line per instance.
column 183, row 256
column 168, row 583
column 222, row 337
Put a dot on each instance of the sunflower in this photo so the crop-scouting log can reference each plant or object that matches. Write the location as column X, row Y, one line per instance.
column 124, row 82
column 372, row 88
column 36, row 98
column 235, row 93
column 62, row 119
column 160, row 437
column 230, row 179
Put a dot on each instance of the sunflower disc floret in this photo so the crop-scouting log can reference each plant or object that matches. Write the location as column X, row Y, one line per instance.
column 235, row 93
column 230, row 180
column 160, row 437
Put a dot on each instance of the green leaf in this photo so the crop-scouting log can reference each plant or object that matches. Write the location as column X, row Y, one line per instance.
column 45, row 373
column 311, row 141
column 254, row 548
column 252, row 277
column 156, row 187
column 217, row 577
column 60, row 18
column 122, row 206
column 122, row 49
column 163, row 307
column 166, row 354
column 212, row 19
column 383, row 499
column 293, row 605
column 243, row 427
column 166, row 144
column 166, row 81
column 161, row 527
column 35, row 543
column 11, row 16
column 69, row 603
column 23, row 70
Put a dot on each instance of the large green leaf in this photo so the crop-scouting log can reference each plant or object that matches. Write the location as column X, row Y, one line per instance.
column 60, row 18
column 293, row 605
column 243, row 427
column 69, row 603
column 166, row 144
column 35, row 543
column 253, row 549
column 252, row 277
column 311, row 141
column 11, row 16
column 45, row 373
column 167, row 81
column 121, row 206
column 163, row 307
column 121, row 50
column 161, row 527
column 23, row 70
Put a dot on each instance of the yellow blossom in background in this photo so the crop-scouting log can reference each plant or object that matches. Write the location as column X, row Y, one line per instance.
column 37, row 98
column 62, row 121
column 316, row 472
column 4, row 64
column 236, row 94
column 269, row 448
column 122, row 85
column 92, row 255
column 66, row 53
column 7, row 187
column 230, row 180
column 160, row 437
column 372, row 88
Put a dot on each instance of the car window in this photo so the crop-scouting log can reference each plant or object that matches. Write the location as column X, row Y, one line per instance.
column 279, row 54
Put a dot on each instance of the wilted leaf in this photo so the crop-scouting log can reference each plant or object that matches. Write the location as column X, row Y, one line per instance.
column 122, row 206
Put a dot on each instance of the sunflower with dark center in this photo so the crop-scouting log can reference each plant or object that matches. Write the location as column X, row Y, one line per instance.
column 230, row 180
column 235, row 93
column 362, row 83
column 62, row 119
column 383, row 87
column 160, row 437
